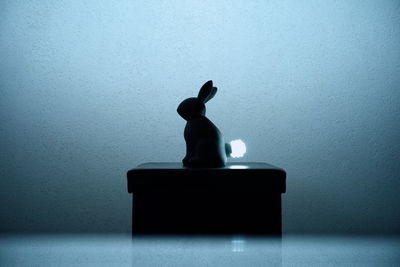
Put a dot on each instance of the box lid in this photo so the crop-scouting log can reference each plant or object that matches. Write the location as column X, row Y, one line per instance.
column 235, row 177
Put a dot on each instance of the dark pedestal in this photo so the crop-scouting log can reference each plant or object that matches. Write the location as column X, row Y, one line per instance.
column 240, row 198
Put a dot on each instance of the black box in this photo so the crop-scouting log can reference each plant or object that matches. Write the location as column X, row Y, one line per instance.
column 240, row 198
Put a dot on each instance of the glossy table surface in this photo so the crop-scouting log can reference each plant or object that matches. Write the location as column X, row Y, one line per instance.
column 122, row 250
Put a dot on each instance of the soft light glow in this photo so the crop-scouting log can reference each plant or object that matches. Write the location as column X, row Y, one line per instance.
column 238, row 167
column 238, row 245
column 238, row 148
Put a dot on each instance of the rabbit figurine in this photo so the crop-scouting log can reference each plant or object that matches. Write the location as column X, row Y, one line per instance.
column 204, row 142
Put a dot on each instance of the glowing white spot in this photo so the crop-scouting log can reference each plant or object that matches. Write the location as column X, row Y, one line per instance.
column 238, row 245
column 238, row 167
column 238, row 148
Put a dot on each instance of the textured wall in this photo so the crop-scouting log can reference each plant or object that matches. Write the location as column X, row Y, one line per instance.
column 89, row 90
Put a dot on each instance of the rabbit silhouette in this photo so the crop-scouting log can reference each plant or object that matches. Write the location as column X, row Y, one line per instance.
column 205, row 145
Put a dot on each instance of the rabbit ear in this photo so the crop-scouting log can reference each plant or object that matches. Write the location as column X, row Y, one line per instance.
column 207, row 92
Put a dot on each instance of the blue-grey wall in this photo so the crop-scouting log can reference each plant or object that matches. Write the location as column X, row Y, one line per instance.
column 89, row 89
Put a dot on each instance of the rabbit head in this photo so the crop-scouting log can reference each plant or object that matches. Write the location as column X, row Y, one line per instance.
column 194, row 107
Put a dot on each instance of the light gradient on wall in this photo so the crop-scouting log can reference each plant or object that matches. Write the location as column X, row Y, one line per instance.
column 89, row 89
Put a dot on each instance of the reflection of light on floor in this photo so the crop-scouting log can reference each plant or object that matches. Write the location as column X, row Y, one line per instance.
column 238, row 244
column 185, row 251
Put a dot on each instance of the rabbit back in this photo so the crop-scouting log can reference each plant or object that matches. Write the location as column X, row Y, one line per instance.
column 205, row 145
